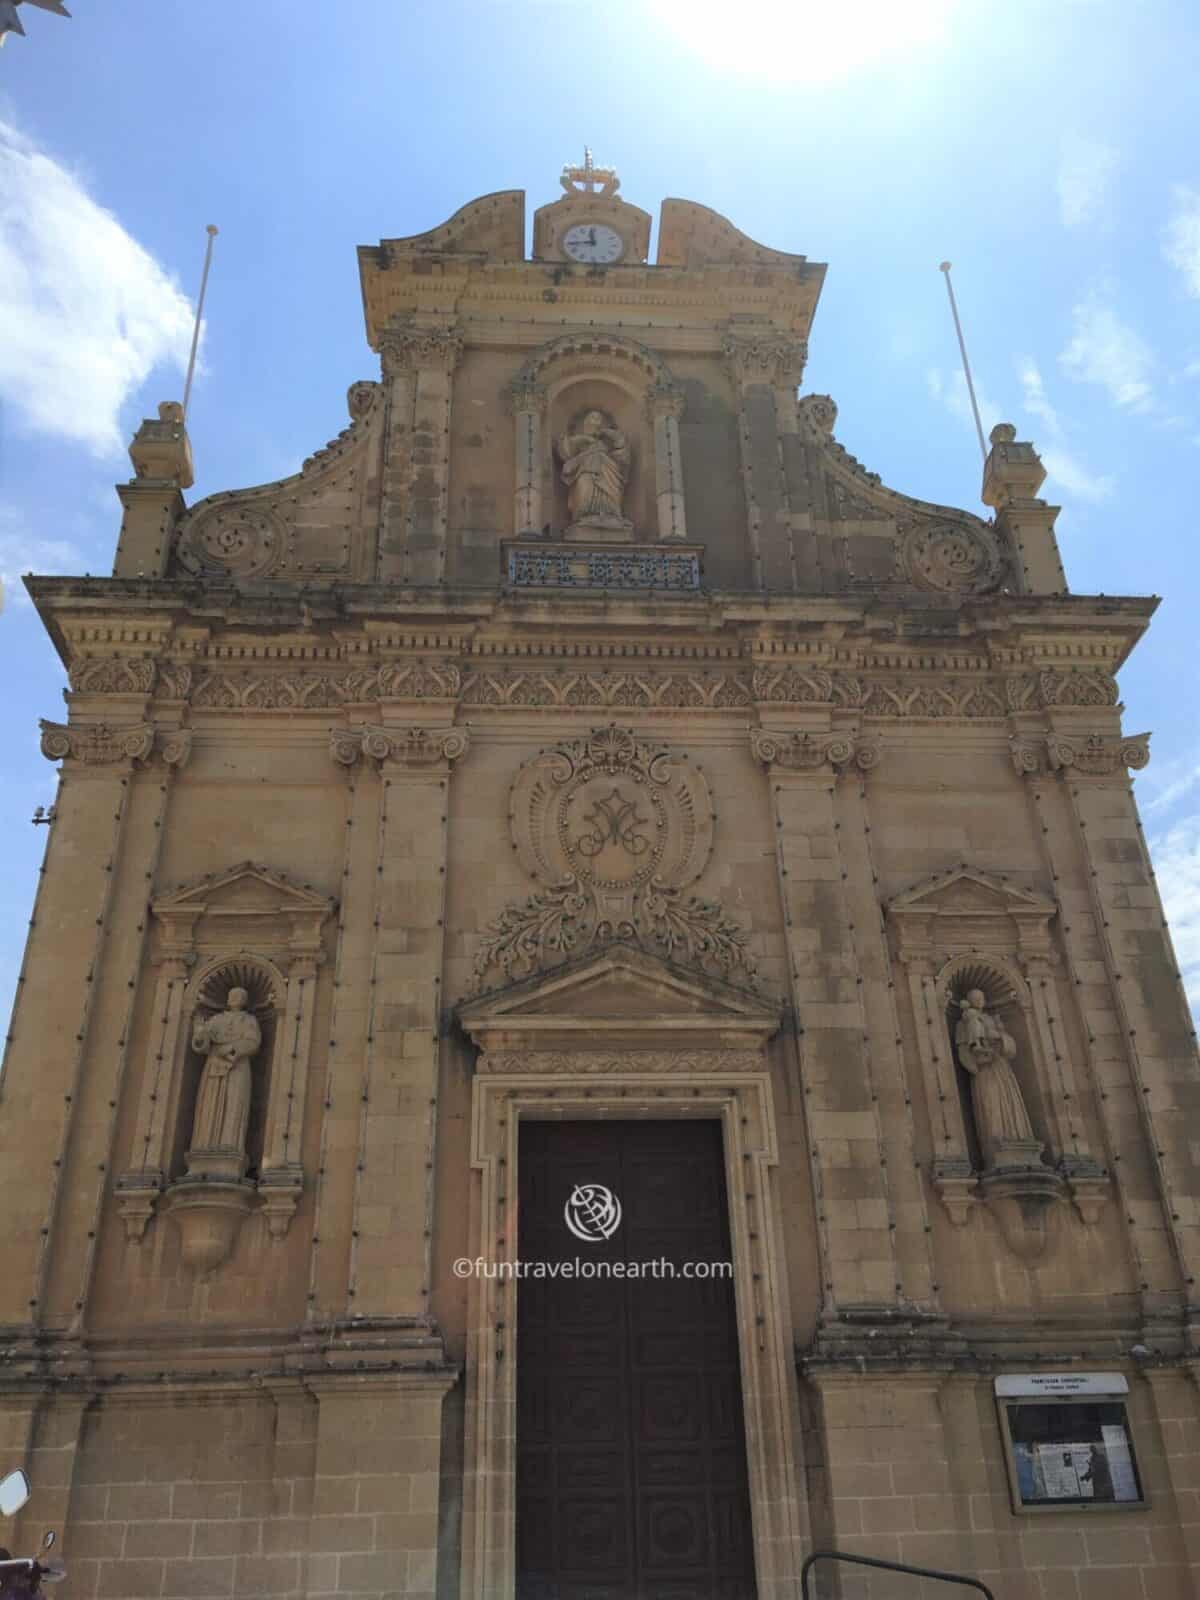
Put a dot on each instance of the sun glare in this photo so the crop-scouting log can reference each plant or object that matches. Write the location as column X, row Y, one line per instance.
column 805, row 42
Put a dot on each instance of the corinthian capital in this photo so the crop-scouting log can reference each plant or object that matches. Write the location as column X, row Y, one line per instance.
column 524, row 394
column 773, row 359
column 407, row 349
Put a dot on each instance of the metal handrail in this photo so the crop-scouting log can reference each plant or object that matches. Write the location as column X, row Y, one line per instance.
column 889, row 1566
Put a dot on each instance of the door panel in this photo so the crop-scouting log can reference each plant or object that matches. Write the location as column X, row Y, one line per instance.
column 631, row 1463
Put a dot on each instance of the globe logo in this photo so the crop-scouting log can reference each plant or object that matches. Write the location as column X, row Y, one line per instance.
column 592, row 1212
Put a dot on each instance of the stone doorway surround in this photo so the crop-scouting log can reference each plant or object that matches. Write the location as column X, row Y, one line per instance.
column 622, row 1034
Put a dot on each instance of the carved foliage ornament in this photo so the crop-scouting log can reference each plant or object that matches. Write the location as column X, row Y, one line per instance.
column 408, row 349
column 614, row 830
column 775, row 361
column 112, row 675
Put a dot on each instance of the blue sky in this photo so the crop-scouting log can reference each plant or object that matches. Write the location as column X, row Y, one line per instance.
column 1050, row 150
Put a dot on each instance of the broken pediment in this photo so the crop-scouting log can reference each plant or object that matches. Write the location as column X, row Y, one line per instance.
column 619, row 996
column 247, row 905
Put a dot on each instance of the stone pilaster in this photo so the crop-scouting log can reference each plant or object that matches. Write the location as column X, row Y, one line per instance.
column 526, row 403
column 849, row 1163
column 1131, row 1004
column 664, row 405
column 767, row 369
column 418, row 368
column 391, row 1221
column 52, row 1031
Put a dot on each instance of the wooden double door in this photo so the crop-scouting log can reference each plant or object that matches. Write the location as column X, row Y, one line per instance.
column 631, row 1460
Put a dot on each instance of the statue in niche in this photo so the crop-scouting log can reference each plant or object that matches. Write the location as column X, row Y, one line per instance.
column 229, row 1041
column 986, row 1051
column 595, row 458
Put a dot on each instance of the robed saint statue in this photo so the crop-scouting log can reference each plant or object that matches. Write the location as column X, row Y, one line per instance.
column 229, row 1041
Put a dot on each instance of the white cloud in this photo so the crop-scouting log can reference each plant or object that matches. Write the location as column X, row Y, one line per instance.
column 1062, row 468
column 1167, row 785
column 1108, row 352
column 1073, row 477
column 953, row 394
column 1176, row 857
column 86, row 314
column 1085, row 172
column 22, row 551
column 1181, row 237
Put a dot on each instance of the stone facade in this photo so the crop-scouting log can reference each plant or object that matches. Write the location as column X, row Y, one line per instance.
column 323, row 745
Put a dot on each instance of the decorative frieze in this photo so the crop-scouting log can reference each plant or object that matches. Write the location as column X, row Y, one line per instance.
column 112, row 675
column 579, row 567
column 814, row 752
column 602, row 1063
column 606, row 687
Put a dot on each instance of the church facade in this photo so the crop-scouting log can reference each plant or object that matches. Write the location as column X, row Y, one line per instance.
column 597, row 1017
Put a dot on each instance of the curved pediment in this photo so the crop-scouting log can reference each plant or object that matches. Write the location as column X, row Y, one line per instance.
column 618, row 996
column 289, row 528
column 692, row 235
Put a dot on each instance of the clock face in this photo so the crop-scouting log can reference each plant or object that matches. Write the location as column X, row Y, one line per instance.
column 593, row 241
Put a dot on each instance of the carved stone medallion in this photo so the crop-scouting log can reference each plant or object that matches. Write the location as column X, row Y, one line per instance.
column 952, row 558
column 613, row 829
column 236, row 541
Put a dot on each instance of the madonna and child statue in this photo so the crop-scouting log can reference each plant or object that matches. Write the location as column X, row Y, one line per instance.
column 596, row 458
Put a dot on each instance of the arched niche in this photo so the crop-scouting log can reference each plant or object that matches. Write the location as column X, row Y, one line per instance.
column 1007, row 997
column 628, row 383
column 208, row 993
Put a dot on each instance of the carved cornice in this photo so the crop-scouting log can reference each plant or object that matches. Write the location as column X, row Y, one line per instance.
column 98, row 744
column 773, row 360
column 408, row 349
column 1089, row 755
column 568, row 1063
column 814, row 752
column 409, row 747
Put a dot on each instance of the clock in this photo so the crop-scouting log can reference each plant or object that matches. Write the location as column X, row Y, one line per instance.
column 594, row 242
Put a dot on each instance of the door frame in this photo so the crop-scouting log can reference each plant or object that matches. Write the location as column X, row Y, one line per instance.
column 730, row 1085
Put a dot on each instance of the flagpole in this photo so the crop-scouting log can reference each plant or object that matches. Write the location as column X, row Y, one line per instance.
column 945, row 268
column 187, row 388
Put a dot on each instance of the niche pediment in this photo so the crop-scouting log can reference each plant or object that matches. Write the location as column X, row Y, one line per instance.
column 965, row 909
column 247, row 904
column 619, row 997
